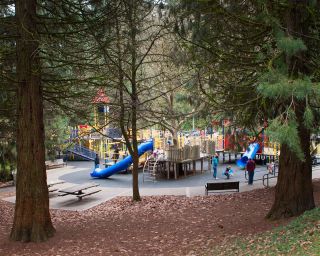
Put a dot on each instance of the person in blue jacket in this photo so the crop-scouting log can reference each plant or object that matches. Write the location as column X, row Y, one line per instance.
column 215, row 161
column 228, row 172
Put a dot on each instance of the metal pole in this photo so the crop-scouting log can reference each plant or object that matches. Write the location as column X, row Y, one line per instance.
column 192, row 122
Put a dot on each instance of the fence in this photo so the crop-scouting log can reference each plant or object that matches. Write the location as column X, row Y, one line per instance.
column 185, row 153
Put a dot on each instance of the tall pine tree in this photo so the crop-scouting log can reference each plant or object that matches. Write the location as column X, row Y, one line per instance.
column 258, row 61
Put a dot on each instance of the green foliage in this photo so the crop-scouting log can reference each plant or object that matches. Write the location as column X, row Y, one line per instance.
column 56, row 134
column 300, row 237
column 286, row 133
column 290, row 45
column 275, row 84
column 7, row 159
column 308, row 118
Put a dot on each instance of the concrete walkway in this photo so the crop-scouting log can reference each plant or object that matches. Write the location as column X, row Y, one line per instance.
column 120, row 184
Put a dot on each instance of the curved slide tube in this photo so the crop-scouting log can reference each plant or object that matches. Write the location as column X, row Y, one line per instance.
column 250, row 153
column 121, row 165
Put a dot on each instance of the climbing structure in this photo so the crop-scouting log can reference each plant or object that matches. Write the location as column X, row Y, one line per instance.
column 150, row 169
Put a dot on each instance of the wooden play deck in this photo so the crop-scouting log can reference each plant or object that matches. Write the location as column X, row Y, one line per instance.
column 184, row 166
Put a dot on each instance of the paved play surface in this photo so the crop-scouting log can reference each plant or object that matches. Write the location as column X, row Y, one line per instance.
column 76, row 173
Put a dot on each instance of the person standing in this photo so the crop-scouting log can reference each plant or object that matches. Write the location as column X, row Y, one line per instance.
column 215, row 162
column 251, row 166
column 96, row 161
column 116, row 155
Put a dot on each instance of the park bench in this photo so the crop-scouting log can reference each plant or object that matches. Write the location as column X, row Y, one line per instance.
column 212, row 187
column 55, row 163
column 51, row 185
column 80, row 191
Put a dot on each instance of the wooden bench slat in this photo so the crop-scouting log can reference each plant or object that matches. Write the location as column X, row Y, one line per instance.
column 222, row 186
column 88, row 194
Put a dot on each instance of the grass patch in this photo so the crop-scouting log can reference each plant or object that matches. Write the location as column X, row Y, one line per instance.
column 300, row 237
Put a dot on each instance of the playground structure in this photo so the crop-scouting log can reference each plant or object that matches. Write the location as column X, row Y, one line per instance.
column 102, row 140
column 121, row 165
column 234, row 142
column 171, row 155
column 249, row 154
column 179, row 160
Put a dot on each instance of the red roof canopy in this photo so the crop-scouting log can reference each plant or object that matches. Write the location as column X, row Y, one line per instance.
column 101, row 97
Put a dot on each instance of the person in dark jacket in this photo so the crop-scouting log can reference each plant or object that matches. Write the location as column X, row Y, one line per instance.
column 96, row 161
column 116, row 155
column 251, row 166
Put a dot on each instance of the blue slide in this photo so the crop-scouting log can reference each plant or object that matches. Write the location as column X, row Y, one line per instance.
column 250, row 153
column 121, row 165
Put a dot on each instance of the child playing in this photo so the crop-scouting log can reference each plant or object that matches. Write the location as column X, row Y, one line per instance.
column 228, row 172
column 270, row 168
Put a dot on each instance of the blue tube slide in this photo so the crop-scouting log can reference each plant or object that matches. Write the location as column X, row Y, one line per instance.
column 250, row 153
column 121, row 165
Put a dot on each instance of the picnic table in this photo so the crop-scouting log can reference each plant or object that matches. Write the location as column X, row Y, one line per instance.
column 53, row 183
column 80, row 191
column 55, row 163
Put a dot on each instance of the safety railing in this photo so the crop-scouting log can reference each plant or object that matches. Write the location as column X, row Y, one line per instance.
column 273, row 173
column 82, row 151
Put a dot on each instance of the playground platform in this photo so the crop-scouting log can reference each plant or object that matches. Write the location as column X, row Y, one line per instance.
column 175, row 168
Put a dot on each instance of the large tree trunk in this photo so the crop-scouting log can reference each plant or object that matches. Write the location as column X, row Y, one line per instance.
column 32, row 220
column 294, row 192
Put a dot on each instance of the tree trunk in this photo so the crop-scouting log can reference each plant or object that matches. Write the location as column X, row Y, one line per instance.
column 32, row 220
column 174, row 133
column 135, row 155
column 135, row 171
column 294, row 192
column 134, row 98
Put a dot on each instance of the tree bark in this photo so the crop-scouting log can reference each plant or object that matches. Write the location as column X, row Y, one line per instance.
column 134, row 100
column 135, row 158
column 32, row 220
column 294, row 192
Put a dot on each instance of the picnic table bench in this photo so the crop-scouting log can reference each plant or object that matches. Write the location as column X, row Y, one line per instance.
column 55, row 163
column 79, row 190
column 53, row 183
column 211, row 187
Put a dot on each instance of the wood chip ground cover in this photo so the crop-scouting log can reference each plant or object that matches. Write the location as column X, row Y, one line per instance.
column 158, row 225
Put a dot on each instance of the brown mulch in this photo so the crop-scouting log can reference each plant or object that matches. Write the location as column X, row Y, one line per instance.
column 163, row 225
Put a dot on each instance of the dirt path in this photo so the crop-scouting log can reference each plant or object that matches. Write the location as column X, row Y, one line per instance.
column 166, row 225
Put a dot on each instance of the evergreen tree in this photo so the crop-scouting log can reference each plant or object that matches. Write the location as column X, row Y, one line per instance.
column 32, row 220
column 52, row 64
column 258, row 61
